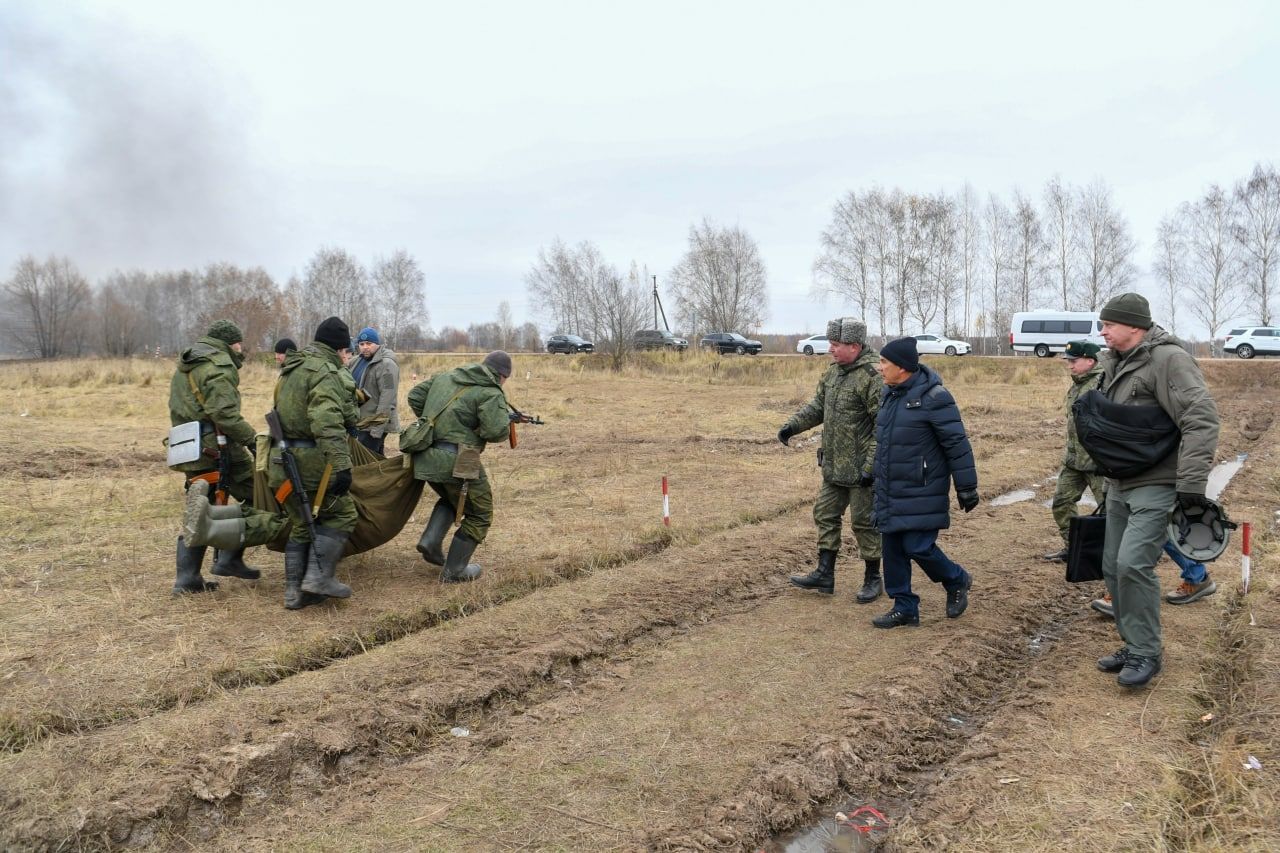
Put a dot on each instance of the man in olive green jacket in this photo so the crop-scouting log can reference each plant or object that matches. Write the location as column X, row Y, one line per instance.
column 317, row 412
column 1078, row 468
column 469, row 410
column 206, row 388
column 1146, row 366
column 846, row 403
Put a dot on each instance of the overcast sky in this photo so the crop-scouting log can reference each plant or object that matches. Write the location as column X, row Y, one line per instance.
column 161, row 134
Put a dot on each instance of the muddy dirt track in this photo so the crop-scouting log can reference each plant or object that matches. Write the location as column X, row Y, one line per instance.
column 622, row 686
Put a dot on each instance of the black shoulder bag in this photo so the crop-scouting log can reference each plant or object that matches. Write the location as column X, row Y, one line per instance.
column 1123, row 441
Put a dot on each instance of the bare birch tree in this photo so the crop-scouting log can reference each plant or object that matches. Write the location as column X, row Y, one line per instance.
column 1028, row 252
column 1106, row 248
column 1258, row 232
column 48, row 298
column 721, row 281
column 846, row 264
column 998, row 226
column 335, row 283
column 399, row 292
column 1214, row 269
column 555, row 291
column 969, row 237
column 1060, row 236
column 1170, row 266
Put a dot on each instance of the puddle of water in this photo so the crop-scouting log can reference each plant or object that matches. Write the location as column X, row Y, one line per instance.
column 1013, row 497
column 830, row 835
column 1221, row 475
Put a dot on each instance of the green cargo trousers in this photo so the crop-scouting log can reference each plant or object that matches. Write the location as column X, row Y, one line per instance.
column 1137, row 528
column 1071, row 485
column 477, row 513
column 336, row 513
column 828, row 514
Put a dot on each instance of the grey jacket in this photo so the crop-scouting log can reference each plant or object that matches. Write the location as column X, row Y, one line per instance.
column 1160, row 372
column 381, row 381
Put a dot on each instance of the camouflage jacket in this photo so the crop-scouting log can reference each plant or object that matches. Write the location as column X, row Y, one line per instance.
column 315, row 399
column 381, row 381
column 206, row 387
column 478, row 414
column 1075, row 456
column 846, row 402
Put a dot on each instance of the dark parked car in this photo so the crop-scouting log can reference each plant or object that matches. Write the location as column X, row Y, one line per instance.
column 723, row 342
column 659, row 339
column 569, row 344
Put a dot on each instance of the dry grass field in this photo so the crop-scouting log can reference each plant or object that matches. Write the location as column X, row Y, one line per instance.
column 624, row 685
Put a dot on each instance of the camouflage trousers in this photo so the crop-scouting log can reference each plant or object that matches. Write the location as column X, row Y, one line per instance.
column 336, row 513
column 828, row 514
column 477, row 513
column 1071, row 485
column 260, row 527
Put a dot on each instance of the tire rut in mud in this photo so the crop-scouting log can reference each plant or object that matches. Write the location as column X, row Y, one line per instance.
column 196, row 766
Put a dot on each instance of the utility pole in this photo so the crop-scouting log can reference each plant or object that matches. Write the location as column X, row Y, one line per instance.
column 657, row 307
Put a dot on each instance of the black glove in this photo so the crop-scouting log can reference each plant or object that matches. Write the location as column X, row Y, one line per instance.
column 784, row 434
column 866, row 480
column 968, row 499
column 1190, row 501
column 340, row 483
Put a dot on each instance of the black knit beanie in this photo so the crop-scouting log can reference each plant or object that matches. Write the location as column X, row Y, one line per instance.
column 902, row 352
column 335, row 333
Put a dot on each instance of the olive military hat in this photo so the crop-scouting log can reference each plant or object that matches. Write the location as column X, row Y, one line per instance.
column 226, row 331
column 1081, row 349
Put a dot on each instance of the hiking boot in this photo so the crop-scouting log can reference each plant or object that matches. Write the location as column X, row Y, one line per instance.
column 1138, row 671
column 456, row 567
column 1188, row 592
column 326, row 551
column 872, row 584
column 230, row 564
column 1059, row 555
column 188, row 577
column 958, row 598
column 1103, row 606
column 431, row 545
column 821, row 579
column 1114, row 662
column 895, row 618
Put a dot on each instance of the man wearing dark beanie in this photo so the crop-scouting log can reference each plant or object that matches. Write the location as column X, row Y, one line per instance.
column 316, row 406
column 283, row 347
column 468, row 410
column 1146, row 366
column 921, row 447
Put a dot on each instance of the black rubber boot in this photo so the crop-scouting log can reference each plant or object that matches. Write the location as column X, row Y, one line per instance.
column 872, row 585
column 823, row 578
column 295, row 567
column 189, row 578
column 431, row 545
column 458, row 568
column 230, row 564
column 326, row 551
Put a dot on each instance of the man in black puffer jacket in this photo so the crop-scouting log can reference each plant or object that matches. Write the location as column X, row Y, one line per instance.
column 921, row 447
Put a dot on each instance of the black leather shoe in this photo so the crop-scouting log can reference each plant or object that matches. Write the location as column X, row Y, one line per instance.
column 1057, row 555
column 1114, row 662
column 1138, row 671
column 894, row 618
column 958, row 599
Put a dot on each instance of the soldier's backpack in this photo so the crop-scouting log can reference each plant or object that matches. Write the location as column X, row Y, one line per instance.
column 421, row 433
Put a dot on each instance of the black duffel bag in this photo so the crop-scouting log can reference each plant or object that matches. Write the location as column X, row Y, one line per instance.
column 1123, row 441
column 1085, row 535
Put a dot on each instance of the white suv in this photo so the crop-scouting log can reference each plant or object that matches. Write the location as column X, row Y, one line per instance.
column 1253, row 340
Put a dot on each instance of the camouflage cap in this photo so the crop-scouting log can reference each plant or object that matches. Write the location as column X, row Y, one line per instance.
column 833, row 329
column 852, row 331
column 1081, row 349
column 225, row 331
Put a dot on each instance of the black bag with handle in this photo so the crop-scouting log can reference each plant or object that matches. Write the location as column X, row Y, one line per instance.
column 1085, row 535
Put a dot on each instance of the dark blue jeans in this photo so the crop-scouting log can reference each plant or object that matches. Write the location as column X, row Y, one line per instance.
column 920, row 545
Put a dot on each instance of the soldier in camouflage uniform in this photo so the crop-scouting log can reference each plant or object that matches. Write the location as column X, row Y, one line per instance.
column 206, row 388
column 315, row 402
column 470, row 410
column 1078, row 469
column 846, row 403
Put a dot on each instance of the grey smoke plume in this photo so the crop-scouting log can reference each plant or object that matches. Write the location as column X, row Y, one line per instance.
column 117, row 151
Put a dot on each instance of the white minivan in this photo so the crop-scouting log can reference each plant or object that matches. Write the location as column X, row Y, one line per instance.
column 1046, row 332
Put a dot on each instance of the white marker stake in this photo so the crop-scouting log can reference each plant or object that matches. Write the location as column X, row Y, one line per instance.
column 666, row 503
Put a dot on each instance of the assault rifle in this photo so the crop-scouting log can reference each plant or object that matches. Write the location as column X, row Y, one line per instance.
column 515, row 416
column 224, row 469
column 291, row 470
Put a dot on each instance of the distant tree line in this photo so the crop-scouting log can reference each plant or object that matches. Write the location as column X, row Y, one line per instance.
column 49, row 309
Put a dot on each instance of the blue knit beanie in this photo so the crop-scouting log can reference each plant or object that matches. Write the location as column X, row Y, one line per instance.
column 902, row 352
column 369, row 335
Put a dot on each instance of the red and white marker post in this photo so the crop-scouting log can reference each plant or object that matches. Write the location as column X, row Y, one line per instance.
column 666, row 503
column 1244, row 555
